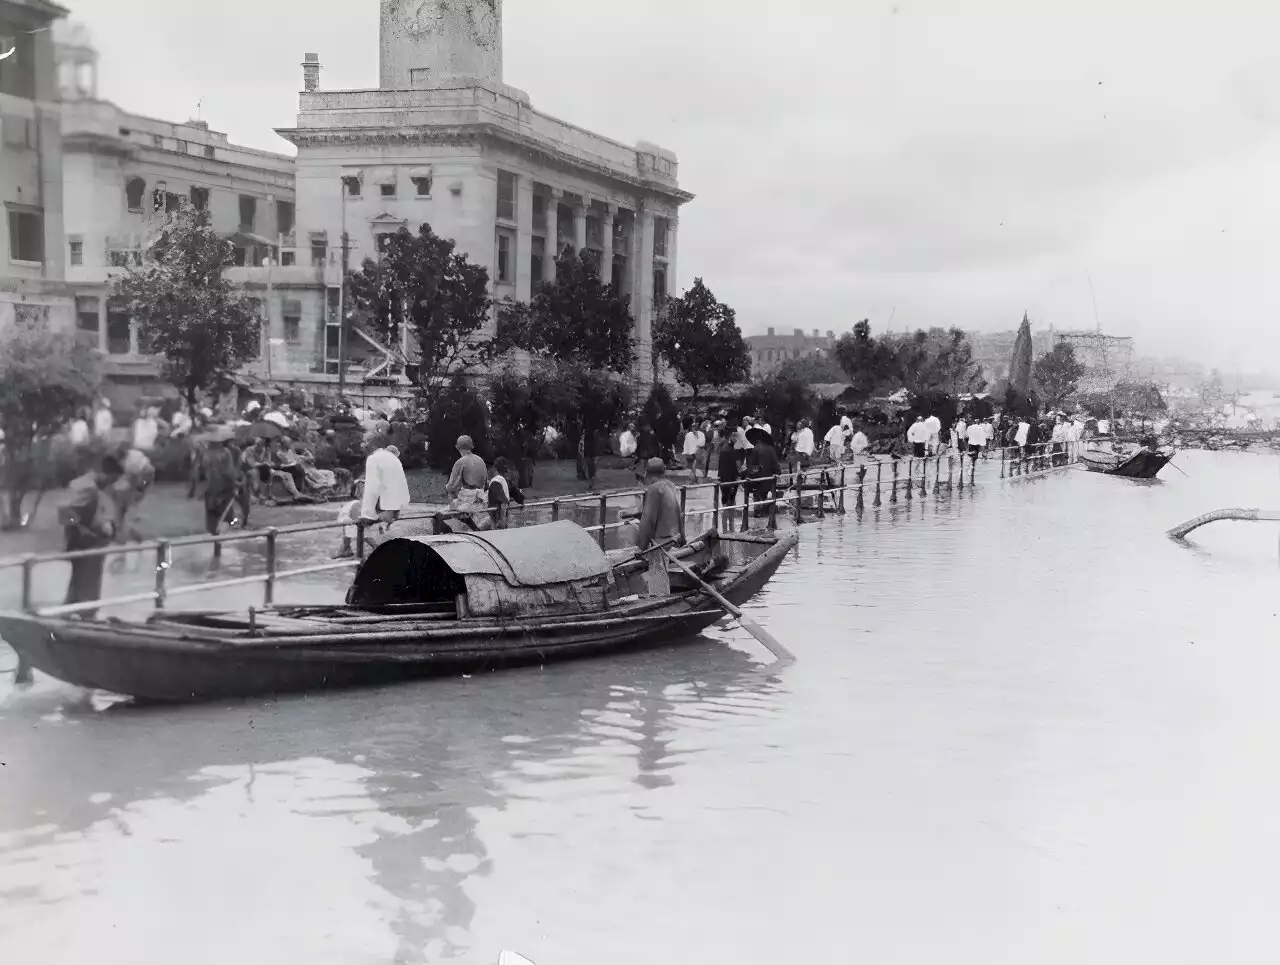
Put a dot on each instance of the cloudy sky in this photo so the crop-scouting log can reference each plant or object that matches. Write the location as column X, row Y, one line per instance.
column 936, row 162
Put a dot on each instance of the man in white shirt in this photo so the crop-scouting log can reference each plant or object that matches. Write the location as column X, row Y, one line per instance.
column 834, row 441
column 103, row 420
column 690, row 451
column 918, row 437
column 804, row 445
column 386, row 491
column 960, row 435
column 627, row 441
column 934, row 425
column 1104, row 427
column 858, row 446
column 977, row 438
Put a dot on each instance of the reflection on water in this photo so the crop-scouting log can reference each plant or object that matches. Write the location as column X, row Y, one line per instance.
column 1023, row 727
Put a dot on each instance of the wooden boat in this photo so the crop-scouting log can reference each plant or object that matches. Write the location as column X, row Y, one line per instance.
column 1124, row 459
column 418, row 605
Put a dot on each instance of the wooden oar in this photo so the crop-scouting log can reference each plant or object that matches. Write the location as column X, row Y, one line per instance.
column 753, row 628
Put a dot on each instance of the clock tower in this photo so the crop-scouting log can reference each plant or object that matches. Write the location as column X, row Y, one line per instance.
column 440, row 44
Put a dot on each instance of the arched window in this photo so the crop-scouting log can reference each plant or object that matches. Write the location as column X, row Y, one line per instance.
column 134, row 189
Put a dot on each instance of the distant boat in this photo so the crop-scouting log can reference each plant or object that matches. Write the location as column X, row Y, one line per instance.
column 1131, row 461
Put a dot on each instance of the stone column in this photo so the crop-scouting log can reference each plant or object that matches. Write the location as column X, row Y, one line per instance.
column 672, row 288
column 524, row 238
column 102, row 321
column 579, row 229
column 551, row 249
column 606, row 260
column 642, row 291
column 133, row 336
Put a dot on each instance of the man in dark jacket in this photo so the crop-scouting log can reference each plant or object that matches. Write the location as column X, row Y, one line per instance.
column 88, row 521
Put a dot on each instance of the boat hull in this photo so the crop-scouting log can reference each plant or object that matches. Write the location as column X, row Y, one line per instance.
column 129, row 659
column 1143, row 464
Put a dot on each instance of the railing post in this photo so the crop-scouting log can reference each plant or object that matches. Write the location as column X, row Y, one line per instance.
column 973, row 471
column 555, row 510
column 797, row 480
column 746, row 507
column 684, row 501
column 715, row 504
column 893, row 486
column 950, row 470
column 937, row 474
column 1002, row 450
column 604, row 515
column 269, row 585
column 28, row 581
column 911, row 477
column 924, row 476
column 840, row 507
column 773, row 506
column 162, row 567
column 961, row 458
column 879, row 466
column 823, row 480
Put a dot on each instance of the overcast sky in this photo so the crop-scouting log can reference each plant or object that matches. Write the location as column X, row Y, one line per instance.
column 857, row 159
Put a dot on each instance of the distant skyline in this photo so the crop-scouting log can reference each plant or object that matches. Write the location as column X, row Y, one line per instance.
column 856, row 159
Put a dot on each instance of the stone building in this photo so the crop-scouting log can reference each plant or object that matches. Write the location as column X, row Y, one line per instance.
column 121, row 173
column 32, row 260
column 770, row 350
column 443, row 140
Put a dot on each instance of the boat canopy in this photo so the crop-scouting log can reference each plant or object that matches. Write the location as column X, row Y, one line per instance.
column 552, row 568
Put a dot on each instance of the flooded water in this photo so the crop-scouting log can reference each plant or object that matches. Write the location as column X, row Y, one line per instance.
column 1023, row 727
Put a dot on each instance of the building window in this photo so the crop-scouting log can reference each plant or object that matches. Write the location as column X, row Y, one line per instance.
column 133, row 192
column 387, row 189
column 18, row 72
column 172, row 202
column 619, row 275
column 659, row 285
column 200, row 198
column 117, row 327
column 352, row 184
column 18, row 132
column 26, row 235
column 506, row 196
column 506, row 243
column 284, row 217
column 291, row 313
column 248, row 212
column 75, row 251
column 87, row 314
column 319, row 251
column 288, row 257
column 240, row 256
column 540, row 212
column 208, row 151
column 537, row 256
column 661, row 228
column 422, row 186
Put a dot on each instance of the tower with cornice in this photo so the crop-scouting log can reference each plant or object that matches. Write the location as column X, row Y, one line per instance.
column 434, row 44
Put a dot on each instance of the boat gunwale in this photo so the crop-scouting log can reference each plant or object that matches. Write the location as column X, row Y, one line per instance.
column 139, row 637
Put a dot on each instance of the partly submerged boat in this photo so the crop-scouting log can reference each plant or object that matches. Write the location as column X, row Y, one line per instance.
column 418, row 605
column 1124, row 459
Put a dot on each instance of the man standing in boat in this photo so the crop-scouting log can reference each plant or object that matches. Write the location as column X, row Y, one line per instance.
column 660, row 519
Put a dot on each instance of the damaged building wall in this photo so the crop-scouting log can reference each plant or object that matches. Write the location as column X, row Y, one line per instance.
column 440, row 43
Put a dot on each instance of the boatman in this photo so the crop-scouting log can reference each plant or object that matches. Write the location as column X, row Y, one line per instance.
column 89, row 522
column 660, row 513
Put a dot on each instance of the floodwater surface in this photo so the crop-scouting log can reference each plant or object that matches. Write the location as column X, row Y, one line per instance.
column 1023, row 728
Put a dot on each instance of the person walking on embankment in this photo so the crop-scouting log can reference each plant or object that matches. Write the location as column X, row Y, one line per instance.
column 89, row 522
column 918, row 437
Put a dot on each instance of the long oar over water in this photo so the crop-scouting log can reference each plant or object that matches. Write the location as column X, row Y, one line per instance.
column 748, row 624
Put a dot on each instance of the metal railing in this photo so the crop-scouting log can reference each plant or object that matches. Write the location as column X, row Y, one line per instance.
column 894, row 479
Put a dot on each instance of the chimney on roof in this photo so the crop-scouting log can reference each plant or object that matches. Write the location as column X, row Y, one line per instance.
column 770, row 329
column 310, row 72
column 830, row 334
column 815, row 334
column 799, row 333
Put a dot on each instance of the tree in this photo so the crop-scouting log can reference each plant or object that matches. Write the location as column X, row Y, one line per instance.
column 700, row 339
column 868, row 363
column 457, row 410
column 186, row 311
column 1057, row 374
column 421, row 284
column 576, row 319
column 816, row 368
column 1020, row 361
column 1139, row 399
column 781, row 402
column 662, row 415
column 521, row 406
column 46, row 378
